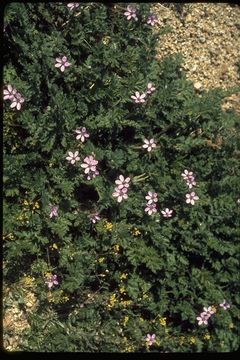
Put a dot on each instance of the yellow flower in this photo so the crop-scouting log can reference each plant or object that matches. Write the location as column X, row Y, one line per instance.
column 123, row 276
column 192, row 340
column 213, row 308
column 206, row 336
column 125, row 303
column 135, row 232
column 100, row 260
column 25, row 202
column 28, row 280
column 181, row 340
column 163, row 321
column 112, row 301
column 50, row 164
column 53, row 246
column 116, row 248
column 145, row 296
column 125, row 320
column 108, row 226
column 105, row 40
column 47, row 274
column 122, row 290
column 231, row 326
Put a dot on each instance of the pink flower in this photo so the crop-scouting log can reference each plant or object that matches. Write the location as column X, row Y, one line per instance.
column 90, row 164
column 208, row 310
column 52, row 280
column 122, row 183
column 9, row 93
column 191, row 182
column 82, row 134
column 167, row 213
column 120, row 194
column 94, row 217
column 62, row 63
column 186, row 174
column 191, row 198
column 151, row 208
column 73, row 5
column 150, row 88
column 17, row 101
column 138, row 98
column 131, row 13
column 149, row 144
column 150, row 339
column 203, row 319
column 225, row 305
column 53, row 211
column 72, row 158
column 151, row 197
column 152, row 19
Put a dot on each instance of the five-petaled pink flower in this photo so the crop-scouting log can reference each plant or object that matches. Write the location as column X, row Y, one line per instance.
column 191, row 198
column 189, row 178
column 122, row 183
column 208, row 311
column 52, row 280
column 90, row 167
column 167, row 213
column 138, row 98
column 73, row 157
column 186, row 174
column 149, row 144
column 62, row 63
column 150, row 88
column 225, row 305
column 151, row 197
column 131, row 13
column 17, row 101
column 203, row 319
column 81, row 134
column 73, row 5
column 151, row 208
column 120, row 194
column 152, row 19
column 9, row 93
column 94, row 217
column 150, row 339
column 89, row 164
column 53, row 210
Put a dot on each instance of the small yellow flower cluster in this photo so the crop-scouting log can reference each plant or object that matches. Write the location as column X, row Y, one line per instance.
column 34, row 205
column 10, row 236
column 122, row 290
column 105, row 40
column 116, row 248
column 128, row 347
column 231, row 326
column 100, row 260
column 23, row 218
column 47, row 274
column 108, row 226
column 181, row 340
column 125, row 303
column 123, row 276
column 53, row 246
column 28, row 280
column 192, row 340
column 213, row 308
column 112, row 301
column 162, row 321
column 206, row 336
column 125, row 320
column 135, row 232
column 57, row 297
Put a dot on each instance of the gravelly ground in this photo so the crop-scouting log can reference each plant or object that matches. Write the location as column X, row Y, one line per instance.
column 208, row 37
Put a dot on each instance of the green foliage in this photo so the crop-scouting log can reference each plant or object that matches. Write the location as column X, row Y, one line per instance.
column 123, row 275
